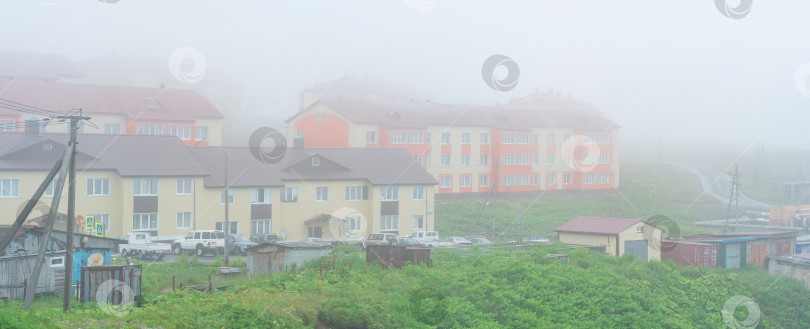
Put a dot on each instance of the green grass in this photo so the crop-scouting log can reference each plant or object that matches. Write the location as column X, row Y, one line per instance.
column 646, row 190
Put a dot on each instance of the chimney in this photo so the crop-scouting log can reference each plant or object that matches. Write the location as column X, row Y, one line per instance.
column 32, row 127
column 298, row 142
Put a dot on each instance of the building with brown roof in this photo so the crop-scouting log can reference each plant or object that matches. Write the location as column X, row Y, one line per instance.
column 536, row 143
column 618, row 235
column 159, row 185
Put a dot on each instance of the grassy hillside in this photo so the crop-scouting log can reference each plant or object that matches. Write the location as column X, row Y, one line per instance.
column 646, row 190
column 464, row 289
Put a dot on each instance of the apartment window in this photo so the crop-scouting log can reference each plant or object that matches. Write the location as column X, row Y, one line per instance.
column 523, row 159
column 299, row 133
column 100, row 187
column 445, row 160
column 568, row 159
column 508, row 180
column 145, row 221
column 200, row 133
column 602, row 179
column 222, row 196
column 321, row 116
column 604, row 158
column 427, row 160
column 535, row 159
column 353, row 223
column 149, row 129
column 484, row 138
column 445, row 138
column 551, row 179
column 398, row 137
column 567, row 179
column 417, row 158
column 507, row 138
column 484, row 159
column 465, row 138
column 234, row 226
column 356, row 193
column 589, row 139
column 261, row 195
column 51, row 187
column 550, row 139
column 140, row 186
column 112, row 128
column 465, row 159
column 427, row 138
column 184, row 186
column 507, row 159
column 535, row 138
column 444, row 181
column 104, row 219
column 316, row 161
column 181, row 131
column 522, row 138
column 483, row 180
column 465, row 181
column 389, row 223
column 8, row 125
column 371, row 137
column 550, row 159
column 522, row 180
column 589, row 179
column 415, row 138
column 589, row 158
column 322, row 193
column 259, row 226
column 535, row 179
column 9, row 188
column 289, row 194
column 602, row 139
column 183, row 220
column 389, row 193
column 418, row 222
column 418, row 192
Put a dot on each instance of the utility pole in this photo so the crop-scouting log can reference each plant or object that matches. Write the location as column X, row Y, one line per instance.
column 734, row 193
column 74, row 129
column 227, row 201
column 495, row 200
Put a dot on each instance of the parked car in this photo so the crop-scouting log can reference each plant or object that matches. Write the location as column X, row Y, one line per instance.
column 262, row 238
column 200, row 242
column 408, row 242
column 139, row 244
column 457, row 241
column 536, row 239
column 378, row 239
column 478, row 240
column 239, row 244
column 429, row 238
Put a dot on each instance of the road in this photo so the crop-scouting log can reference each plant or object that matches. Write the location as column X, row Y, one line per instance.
column 718, row 185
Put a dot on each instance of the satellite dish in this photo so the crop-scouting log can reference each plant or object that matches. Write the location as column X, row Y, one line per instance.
column 95, row 259
column 283, row 233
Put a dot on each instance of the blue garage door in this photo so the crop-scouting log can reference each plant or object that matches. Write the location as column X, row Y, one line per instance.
column 638, row 248
column 733, row 255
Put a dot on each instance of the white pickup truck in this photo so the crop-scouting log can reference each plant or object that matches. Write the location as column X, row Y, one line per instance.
column 430, row 239
column 140, row 245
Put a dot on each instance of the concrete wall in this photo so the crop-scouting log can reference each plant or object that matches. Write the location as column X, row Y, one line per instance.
column 784, row 268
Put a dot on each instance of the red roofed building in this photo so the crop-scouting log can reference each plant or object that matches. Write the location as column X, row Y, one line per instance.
column 118, row 109
column 618, row 235
column 541, row 142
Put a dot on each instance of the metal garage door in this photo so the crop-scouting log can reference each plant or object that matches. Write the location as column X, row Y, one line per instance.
column 638, row 248
column 733, row 253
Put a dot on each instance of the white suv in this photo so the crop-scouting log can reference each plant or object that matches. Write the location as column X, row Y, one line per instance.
column 201, row 242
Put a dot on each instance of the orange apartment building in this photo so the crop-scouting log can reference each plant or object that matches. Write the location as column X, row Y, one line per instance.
column 117, row 110
column 540, row 142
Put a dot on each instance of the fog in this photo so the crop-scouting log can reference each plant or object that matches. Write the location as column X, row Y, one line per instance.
column 668, row 72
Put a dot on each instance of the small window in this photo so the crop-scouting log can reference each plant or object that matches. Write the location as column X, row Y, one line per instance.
column 57, row 261
column 639, row 229
column 316, row 161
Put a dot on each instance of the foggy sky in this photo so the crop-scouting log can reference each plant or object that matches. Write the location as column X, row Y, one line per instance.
column 678, row 71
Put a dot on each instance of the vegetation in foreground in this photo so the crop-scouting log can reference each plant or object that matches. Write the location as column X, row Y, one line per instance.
column 476, row 288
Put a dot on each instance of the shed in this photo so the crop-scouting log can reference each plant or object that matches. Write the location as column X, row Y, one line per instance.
column 275, row 257
column 736, row 249
column 15, row 273
column 618, row 235
column 732, row 252
column 795, row 266
column 687, row 253
column 396, row 256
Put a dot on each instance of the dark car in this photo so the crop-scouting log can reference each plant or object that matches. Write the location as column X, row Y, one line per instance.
column 262, row 238
column 239, row 243
column 408, row 242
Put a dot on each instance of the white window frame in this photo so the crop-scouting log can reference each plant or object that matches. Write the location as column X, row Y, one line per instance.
column 322, row 193
column 535, row 179
column 260, row 226
column 183, row 186
column 604, row 158
column 265, row 197
column 551, row 179
column 234, row 226
column 148, row 217
column 535, row 139
column 483, row 180
column 446, row 138
column 112, row 128
column 231, row 196
column 418, row 222
column 182, row 220
column 484, row 159
column 353, row 223
column 445, row 160
column 507, row 180
column 289, row 194
column 602, row 178
column 91, row 185
column 465, row 160
column 568, row 179
column 550, row 159
column 522, row 180
column 416, row 137
column 200, row 133
column 181, row 131
column 484, row 138
column 389, row 193
column 465, row 138
column 448, row 183
column 399, row 137
column 51, row 188
column 389, row 223
column 535, row 159
column 418, row 192
column 465, row 180
column 104, row 219
column 371, row 137
column 589, row 179
column 149, row 129
column 354, row 193
column 550, row 139
column 141, row 184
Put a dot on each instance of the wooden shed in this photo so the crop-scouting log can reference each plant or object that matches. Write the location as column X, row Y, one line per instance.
column 15, row 274
column 277, row 257
column 396, row 256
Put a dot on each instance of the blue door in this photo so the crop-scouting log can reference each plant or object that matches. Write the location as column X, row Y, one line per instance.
column 733, row 255
column 638, row 248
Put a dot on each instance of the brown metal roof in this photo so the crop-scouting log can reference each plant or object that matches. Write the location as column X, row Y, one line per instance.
column 597, row 225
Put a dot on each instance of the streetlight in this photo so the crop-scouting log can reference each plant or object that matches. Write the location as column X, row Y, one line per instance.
column 194, row 187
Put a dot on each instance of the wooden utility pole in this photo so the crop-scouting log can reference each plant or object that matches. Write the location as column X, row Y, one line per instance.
column 74, row 130
column 495, row 200
column 227, row 201
column 735, row 193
